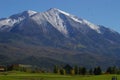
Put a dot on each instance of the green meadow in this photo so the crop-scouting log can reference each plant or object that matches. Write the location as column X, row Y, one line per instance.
column 48, row 76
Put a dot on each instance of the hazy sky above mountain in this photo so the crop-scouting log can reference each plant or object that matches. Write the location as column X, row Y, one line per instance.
column 103, row 12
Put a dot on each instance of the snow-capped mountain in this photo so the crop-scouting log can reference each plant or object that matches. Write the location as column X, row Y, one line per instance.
column 60, row 36
column 54, row 16
column 7, row 23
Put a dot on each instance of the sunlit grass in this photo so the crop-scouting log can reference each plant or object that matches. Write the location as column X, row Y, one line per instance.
column 48, row 76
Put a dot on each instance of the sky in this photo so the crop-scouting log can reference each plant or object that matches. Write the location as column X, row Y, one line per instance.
column 99, row 12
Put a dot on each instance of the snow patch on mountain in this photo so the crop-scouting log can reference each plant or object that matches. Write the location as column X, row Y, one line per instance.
column 92, row 26
column 14, row 19
column 53, row 16
column 81, row 21
column 30, row 12
column 67, row 14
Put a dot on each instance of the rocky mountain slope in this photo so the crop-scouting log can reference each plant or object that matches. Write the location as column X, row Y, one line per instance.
column 56, row 37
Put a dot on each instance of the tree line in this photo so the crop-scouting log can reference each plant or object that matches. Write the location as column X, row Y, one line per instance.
column 76, row 70
column 63, row 70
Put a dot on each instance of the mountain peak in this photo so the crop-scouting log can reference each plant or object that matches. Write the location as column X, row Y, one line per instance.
column 54, row 16
column 53, row 9
column 53, row 34
column 30, row 12
column 58, row 11
column 27, row 13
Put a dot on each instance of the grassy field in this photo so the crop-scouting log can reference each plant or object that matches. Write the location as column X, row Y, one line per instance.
column 37, row 76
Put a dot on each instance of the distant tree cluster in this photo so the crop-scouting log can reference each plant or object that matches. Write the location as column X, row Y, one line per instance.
column 63, row 70
column 67, row 69
column 24, row 68
column 76, row 70
column 113, row 70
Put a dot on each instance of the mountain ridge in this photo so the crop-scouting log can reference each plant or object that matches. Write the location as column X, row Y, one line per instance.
column 57, row 35
column 54, row 11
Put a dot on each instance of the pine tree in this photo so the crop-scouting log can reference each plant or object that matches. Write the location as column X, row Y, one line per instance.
column 62, row 71
column 67, row 68
column 56, row 69
column 84, row 71
column 114, row 70
column 76, row 70
column 97, row 71
column 109, row 70
column 91, row 72
column 80, row 70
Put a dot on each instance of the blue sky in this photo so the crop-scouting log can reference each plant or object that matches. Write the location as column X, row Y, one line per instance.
column 103, row 12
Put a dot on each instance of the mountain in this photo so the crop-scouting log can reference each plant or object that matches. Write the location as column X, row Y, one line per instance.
column 56, row 37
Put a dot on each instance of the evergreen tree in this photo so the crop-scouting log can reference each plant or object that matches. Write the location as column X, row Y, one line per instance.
column 80, row 70
column 56, row 69
column 112, row 70
column 84, row 71
column 62, row 71
column 76, row 70
column 118, row 71
column 67, row 68
column 109, row 70
column 91, row 71
column 97, row 71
